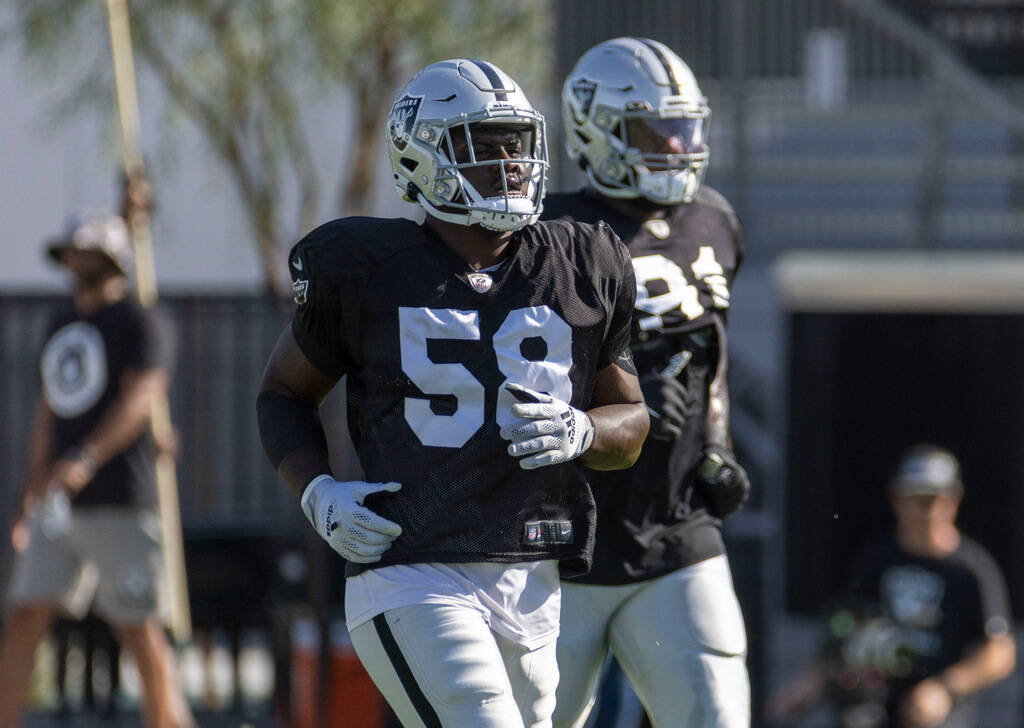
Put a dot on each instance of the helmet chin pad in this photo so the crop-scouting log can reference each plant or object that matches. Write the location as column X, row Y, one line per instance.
column 668, row 187
column 493, row 213
column 505, row 216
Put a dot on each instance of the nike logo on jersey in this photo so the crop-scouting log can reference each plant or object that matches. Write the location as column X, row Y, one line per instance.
column 297, row 263
column 547, row 533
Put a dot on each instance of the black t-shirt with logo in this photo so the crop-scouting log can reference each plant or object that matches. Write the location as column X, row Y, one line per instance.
column 941, row 608
column 82, row 362
column 428, row 345
column 650, row 518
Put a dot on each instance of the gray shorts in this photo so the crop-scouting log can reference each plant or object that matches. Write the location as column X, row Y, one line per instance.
column 108, row 554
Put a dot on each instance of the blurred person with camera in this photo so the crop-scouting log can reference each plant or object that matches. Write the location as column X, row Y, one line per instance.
column 924, row 625
column 87, row 533
column 660, row 596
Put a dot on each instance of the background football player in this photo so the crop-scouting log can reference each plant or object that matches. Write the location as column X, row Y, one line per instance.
column 484, row 352
column 660, row 593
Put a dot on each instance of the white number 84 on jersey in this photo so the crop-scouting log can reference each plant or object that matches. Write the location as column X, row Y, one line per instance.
column 681, row 294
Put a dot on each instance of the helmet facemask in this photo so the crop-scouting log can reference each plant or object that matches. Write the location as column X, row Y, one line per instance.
column 441, row 152
column 660, row 158
column 510, row 175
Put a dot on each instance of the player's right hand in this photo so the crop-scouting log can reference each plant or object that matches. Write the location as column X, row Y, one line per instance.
column 337, row 513
column 723, row 481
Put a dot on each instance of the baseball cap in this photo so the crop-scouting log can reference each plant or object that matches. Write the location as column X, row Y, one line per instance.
column 102, row 232
column 927, row 470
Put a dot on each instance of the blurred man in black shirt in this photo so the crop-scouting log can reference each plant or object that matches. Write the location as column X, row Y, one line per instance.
column 87, row 530
column 928, row 613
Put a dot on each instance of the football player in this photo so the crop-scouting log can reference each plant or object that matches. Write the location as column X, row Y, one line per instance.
column 660, row 593
column 484, row 353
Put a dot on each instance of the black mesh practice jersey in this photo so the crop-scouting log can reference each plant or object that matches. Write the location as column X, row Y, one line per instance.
column 81, row 366
column 650, row 518
column 428, row 345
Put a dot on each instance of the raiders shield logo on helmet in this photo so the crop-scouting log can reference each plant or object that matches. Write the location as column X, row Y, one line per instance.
column 402, row 119
column 584, row 91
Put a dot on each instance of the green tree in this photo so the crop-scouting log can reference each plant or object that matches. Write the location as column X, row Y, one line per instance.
column 245, row 72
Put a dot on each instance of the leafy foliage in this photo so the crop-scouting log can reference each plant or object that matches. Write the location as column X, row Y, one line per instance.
column 245, row 72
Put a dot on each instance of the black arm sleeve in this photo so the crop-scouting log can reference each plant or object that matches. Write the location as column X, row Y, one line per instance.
column 287, row 424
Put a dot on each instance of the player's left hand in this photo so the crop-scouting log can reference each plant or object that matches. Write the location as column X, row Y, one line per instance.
column 722, row 481
column 554, row 432
column 670, row 406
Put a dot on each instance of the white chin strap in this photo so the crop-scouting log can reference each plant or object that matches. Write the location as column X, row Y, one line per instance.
column 667, row 187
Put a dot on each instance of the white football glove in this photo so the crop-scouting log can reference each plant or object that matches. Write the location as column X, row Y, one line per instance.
column 555, row 431
column 336, row 511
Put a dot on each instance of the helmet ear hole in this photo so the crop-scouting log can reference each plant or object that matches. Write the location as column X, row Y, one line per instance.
column 409, row 163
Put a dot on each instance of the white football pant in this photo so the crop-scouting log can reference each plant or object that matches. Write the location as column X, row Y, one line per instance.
column 441, row 665
column 679, row 638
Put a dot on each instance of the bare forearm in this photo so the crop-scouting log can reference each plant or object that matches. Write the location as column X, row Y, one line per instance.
column 718, row 415
column 619, row 432
column 127, row 416
column 989, row 664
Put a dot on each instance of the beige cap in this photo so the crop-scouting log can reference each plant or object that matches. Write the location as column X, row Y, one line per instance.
column 99, row 231
column 927, row 470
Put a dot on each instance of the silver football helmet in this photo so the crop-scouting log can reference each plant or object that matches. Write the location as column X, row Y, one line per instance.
column 636, row 121
column 463, row 96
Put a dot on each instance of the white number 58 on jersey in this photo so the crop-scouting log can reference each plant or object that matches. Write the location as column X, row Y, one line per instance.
column 551, row 374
